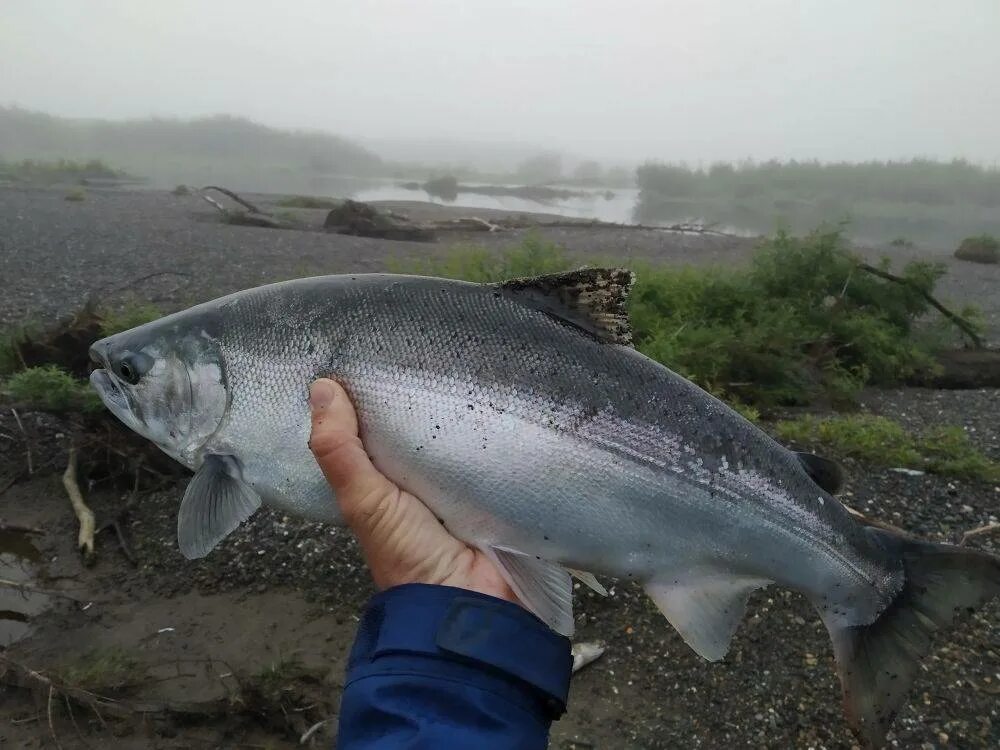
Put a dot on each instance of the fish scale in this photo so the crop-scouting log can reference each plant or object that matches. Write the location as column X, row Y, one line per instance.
column 519, row 415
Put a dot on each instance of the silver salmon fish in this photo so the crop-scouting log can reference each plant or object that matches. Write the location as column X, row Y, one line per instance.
column 521, row 415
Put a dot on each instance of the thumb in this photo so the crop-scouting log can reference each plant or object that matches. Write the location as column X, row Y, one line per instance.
column 338, row 450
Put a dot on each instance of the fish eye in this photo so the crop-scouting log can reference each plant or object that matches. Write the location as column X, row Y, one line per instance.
column 125, row 370
column 131, row 367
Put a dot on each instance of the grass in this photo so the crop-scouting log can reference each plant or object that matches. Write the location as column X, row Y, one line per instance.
column 533, row 257
column 10, row 342
column 49, row 388
column 57, row 170
column 278, row 678
column 802, row 324
column 289, row 217
column 307, row 201
column 942, row 450
column 107, row 669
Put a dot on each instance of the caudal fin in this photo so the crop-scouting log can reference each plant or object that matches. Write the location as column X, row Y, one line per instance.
column 878, row 662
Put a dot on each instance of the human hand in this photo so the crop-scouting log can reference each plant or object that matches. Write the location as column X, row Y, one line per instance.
column 402, row 541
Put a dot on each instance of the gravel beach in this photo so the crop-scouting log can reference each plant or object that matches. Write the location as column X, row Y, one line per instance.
column 279, row 587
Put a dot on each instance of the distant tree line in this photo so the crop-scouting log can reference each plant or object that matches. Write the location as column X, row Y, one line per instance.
column 139, row 144
column 919, row 181
column 917, row 200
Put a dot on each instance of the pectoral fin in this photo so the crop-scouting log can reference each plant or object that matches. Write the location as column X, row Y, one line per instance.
column 215, row 503
column 543, row 587
column 705, row 610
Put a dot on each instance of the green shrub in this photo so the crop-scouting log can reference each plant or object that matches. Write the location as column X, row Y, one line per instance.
column 942, row 450
column 803, row 323
column 181, row 190
column 76, row 195
column 131, row 315
column 982, row 249
column 10, row 343
column 50, row 388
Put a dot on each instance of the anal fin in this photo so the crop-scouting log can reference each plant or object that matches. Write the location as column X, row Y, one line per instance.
column 543, row 587
column 706, row 609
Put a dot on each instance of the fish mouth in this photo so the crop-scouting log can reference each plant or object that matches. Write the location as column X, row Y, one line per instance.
column 110, row 393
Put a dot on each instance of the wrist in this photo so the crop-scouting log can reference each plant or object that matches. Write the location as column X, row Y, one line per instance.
column 480, row 637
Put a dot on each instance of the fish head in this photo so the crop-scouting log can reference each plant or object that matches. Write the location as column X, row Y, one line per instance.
column 166, row 381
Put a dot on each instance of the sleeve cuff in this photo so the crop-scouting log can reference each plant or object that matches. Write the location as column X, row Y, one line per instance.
column 479, row 636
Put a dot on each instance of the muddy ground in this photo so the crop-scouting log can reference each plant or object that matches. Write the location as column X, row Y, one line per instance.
column 246, row 648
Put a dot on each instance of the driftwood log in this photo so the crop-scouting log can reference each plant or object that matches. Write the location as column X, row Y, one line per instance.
column 363, row 220
column 251, row 217
column 965, row 369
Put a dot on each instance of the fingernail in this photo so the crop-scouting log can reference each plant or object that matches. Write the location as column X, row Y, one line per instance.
column 321, row 394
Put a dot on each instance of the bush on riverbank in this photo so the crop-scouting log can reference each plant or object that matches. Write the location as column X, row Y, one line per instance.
column 804, row 323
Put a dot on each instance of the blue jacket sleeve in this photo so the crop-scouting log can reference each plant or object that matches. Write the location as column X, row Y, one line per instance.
column 440, row 667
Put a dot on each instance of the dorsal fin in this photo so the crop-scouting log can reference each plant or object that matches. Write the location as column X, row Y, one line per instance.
column 592, row 299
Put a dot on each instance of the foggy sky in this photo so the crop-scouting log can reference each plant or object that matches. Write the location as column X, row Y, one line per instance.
column 622, row 80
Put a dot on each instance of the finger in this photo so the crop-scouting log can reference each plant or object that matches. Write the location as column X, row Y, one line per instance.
column 338, row 450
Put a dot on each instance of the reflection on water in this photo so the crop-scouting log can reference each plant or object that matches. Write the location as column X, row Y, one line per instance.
column 18, row 564
column 615, row 205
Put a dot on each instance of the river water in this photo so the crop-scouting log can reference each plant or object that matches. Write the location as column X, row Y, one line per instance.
column 19, row 559
column 614, row 205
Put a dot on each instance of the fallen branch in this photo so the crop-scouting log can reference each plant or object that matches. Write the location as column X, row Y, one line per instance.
column 27, row 442
column 307, row 735
column 147, row 277
column 48, row 712
column 16, row 527
column 27, row 588
column 115, row 525
column 958, row 320
column 515, row 223
column 868, row 521
column 472, row 223
column 253, row 217
column 7, row 482
column 990, row 528
column 214, row 202
column 983, row 688
column 85, row 539
column 119, row 708
column 242, row 201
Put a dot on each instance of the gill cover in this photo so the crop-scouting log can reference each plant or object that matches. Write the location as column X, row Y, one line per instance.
column 168, row 386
